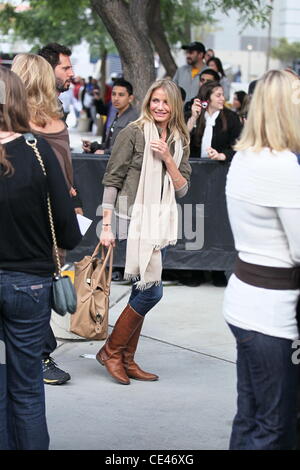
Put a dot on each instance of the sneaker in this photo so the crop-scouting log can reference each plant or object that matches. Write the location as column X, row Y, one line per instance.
column 52, row 375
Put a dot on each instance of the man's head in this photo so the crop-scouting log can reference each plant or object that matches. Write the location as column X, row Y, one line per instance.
column 208, row 75
column 194, row 53
column 122, row 94
column 58, row 57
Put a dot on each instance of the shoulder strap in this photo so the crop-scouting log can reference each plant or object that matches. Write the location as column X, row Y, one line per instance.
column 31, row 141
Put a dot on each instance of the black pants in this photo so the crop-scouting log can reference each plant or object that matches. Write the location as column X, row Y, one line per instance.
column 50, row 343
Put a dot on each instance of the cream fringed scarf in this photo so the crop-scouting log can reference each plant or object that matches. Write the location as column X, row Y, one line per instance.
column 154, row 219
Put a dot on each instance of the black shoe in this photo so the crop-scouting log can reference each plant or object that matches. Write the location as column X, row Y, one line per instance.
column 219, row 278
column 190, row 282
column 52, row 375
column 117, row 276
column 191, row 278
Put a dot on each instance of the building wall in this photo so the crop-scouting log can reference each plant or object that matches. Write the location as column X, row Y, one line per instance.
column 231, row 41
column 289, row 20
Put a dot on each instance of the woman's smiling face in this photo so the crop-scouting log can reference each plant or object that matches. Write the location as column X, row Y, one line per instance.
column 159, row 107
column 217, row 99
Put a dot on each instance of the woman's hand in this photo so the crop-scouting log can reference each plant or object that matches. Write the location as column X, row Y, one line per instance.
column 86, row 146
column 78, row 210
column 73, row 192
column 161, row 148
column 196, row 108
column 213, row 154
column 107, row 237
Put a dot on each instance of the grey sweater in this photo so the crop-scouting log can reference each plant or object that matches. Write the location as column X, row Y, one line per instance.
column 183, row 78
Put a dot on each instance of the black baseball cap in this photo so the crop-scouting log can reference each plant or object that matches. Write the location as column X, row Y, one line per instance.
column 194, row 46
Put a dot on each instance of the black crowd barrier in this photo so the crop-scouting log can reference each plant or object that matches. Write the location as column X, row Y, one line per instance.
column 205, row 238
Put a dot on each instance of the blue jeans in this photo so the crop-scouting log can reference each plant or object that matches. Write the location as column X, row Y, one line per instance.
column 267, row 383
column 24, row 319
column 142, row 301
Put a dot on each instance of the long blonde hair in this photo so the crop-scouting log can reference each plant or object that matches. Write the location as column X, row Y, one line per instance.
column 176, row 123
column 39, row 80
column 274, row 114
column 14, row 114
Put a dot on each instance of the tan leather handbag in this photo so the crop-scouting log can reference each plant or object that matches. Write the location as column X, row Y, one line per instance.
column 92, row 284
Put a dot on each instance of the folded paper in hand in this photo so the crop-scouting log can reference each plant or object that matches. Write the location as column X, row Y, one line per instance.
column 84, row 223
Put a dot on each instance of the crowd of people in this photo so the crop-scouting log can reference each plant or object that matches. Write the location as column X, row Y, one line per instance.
column 187, row 116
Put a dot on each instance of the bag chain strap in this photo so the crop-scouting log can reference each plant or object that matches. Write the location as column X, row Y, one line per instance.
column 33, row 145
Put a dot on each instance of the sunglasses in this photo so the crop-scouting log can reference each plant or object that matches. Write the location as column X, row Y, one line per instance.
column 204, row 80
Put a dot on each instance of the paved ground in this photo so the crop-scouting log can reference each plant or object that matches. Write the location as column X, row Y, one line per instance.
column 186, row 342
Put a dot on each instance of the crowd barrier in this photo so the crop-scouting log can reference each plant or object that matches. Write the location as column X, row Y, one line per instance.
column 205, row 238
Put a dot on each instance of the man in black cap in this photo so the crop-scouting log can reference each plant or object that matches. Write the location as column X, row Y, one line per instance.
column 187, row 75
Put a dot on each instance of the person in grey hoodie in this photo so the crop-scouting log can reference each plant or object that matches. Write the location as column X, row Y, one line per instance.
column 187, row 76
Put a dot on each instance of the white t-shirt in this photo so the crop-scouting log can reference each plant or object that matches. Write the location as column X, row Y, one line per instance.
column 263, row 200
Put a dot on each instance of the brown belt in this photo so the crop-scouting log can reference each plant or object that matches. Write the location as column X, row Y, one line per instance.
column 267, row 277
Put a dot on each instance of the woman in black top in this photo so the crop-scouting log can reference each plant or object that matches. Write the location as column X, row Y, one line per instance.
column 26, row 267
column 214, row 128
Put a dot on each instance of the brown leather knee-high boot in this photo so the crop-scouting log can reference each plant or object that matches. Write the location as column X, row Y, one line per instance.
column 131, row 367
column 110, row 355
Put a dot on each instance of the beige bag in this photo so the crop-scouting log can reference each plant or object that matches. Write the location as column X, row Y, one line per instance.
column 92, row 284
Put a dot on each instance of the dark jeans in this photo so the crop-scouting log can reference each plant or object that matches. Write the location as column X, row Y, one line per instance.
column 24, row 318
column 267, row 383
column 142, row 301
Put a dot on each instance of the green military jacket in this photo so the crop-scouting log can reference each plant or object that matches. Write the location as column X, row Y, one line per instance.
column 125, row 163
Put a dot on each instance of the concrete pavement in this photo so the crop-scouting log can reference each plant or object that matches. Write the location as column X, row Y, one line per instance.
column 187, row 343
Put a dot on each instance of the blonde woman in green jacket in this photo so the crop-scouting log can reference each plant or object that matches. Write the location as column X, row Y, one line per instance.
column 147, row 170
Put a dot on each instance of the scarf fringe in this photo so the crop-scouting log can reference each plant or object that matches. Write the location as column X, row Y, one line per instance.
column 131, row 277
column 140, row 285
column 164, row 245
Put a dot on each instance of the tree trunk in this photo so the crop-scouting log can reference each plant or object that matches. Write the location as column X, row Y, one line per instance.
column 103, row 72
column 128, row 29
column 187, row 25
column 158, row 37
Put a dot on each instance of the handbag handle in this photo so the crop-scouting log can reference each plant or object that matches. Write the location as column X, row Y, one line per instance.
column 109, row 255
column 104, row 259
column 96, row 250
column 31, row 141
